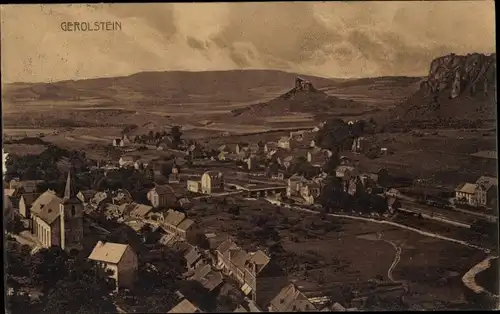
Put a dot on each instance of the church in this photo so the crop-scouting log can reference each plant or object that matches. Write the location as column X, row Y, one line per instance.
column 58, row 221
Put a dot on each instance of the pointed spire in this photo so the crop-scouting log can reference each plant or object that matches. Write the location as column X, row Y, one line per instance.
column 69, row 191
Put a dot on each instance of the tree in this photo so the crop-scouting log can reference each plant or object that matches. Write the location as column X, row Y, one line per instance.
column 176, row 134
column 14, row 225
column 332, row 163
column 331, row 194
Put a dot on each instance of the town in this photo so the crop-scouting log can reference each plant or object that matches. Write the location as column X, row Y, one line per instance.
column 250, row 157
column 124, row 215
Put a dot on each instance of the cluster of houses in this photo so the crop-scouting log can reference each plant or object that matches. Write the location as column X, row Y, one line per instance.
column 483, row 193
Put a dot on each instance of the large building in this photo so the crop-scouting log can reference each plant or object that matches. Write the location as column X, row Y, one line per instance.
column 58, row 221
column 212, row 182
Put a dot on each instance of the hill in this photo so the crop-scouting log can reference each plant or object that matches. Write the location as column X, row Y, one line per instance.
column 304, row 98
column 156, row 88
column 457, row 89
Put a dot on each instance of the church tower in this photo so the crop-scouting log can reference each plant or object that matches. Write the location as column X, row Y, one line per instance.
column 71, row 218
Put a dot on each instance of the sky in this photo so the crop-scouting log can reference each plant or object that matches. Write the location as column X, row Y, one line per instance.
column 336, row 39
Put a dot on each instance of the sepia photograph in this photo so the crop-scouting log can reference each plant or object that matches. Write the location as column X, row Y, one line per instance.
column 249, row 157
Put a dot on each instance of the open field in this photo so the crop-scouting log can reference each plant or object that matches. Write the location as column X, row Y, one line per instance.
column 24, row 149
column 341, row 252
column 443, row 158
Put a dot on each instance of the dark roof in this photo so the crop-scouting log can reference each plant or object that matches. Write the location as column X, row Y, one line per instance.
column 164, row 189
column 29, row 198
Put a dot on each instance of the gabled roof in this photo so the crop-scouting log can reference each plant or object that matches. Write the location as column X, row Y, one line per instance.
column 225, row 246
column 191, row 255
column 487, row 182
column 164, row 189
column 174, row 217
column 469, row 188
column 140, row 210
column 185, row 307
column 185, row 224
column 291, row 299
column 214, row 174
column 211, row 280
column 108, row 252
column 29, row 198
column 46, row 206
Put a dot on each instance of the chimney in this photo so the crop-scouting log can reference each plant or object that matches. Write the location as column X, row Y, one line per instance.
column 100, row 243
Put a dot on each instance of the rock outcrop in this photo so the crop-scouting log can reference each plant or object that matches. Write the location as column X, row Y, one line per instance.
column 472, row 75
column 458, row 88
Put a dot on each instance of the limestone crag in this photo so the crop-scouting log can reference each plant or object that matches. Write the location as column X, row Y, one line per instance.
column 471, row 75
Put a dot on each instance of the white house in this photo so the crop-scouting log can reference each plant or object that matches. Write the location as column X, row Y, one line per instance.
column 119, row 259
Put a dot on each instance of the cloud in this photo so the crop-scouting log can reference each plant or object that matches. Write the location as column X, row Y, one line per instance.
column 336, row 39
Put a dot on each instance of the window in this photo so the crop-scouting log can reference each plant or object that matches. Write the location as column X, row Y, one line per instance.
column 73, row 211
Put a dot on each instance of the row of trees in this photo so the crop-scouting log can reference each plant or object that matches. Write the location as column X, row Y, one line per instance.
column 175, row 134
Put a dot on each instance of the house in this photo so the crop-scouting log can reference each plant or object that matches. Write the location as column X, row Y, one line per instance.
column 284, row 142
column 466, row 194
column 212, row 182
column 358, row 145
column 194, row 186
column 186, row 230
column 162, row 196
column 117, row 142
column 58, row 221
column 393, row 204
column 25, row 203
column 345, row 172
column 185, row 307
column 290, row 299
column 241, row 147
column 174, row 177
column 278, row 176
column 318, row 157
column 295, row 184
column 260, row 278
column 121, row 196
column 171, row 220
column 310, row 192
column 29, row 186
column 270, row 146
column 127, row 161
column 207, row 277
column 223, row 148
column 256, row 148
column 193, row 258
column 344, row 160
column 86, row 195
column 140, row 211
column 119, row 259
column 165, row 143
column 252, row 162
column 486, row 191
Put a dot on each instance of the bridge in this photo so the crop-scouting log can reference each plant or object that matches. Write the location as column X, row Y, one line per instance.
column 257, row 189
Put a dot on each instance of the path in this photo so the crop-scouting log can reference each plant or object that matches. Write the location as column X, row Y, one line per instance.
column 387, row 222
column 469, row 279
column 397, row 257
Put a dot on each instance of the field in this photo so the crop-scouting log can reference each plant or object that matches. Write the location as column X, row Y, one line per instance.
column 24, row 149
column 442, row 157
column 323, row 254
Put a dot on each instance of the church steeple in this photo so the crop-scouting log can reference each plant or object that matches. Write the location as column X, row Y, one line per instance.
column 70, row 191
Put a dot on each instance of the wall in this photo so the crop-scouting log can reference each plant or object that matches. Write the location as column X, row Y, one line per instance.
column 127, row 269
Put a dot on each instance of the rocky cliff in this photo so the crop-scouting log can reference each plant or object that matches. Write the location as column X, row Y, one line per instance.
column 472, row 75
column 457, row 88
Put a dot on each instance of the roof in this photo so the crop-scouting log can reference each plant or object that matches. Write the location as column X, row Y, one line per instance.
column 29, row 198
column 291, row 299
column 469, row 188
column 174, row 217
column 192, row 255
column 184, row 307
column 108, row 252
column 260, row 259
column 164, row 189
column 168, row 239
column 141, row 210
column 487, row 182
column 185, row 224
column 226, row 246
column 211, row 280
column 201, row 272
column 239, row 257
column 130, row 158
column 213, row 174
column 46, row 206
